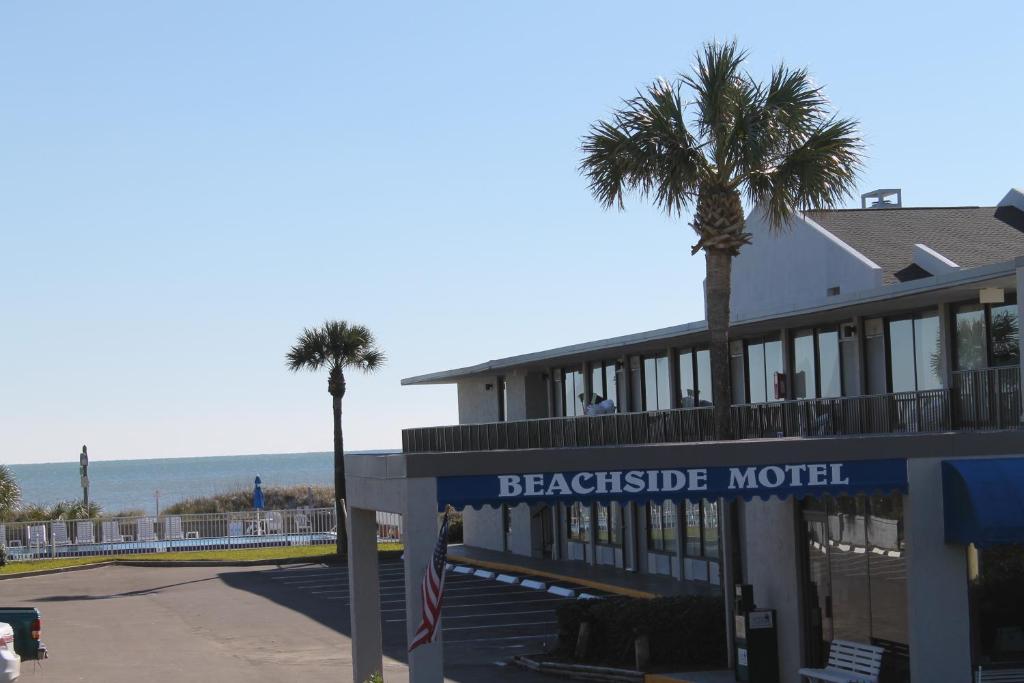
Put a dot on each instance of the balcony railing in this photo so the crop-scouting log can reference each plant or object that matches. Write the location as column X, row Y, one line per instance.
column 977, row 400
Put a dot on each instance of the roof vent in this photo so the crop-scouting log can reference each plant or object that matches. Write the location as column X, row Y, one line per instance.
column 882, row 199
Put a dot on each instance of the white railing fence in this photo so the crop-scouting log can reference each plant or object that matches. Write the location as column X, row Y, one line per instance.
column 178, row 533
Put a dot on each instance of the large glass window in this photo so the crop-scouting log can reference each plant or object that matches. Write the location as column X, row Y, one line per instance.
column 986, row 336
column 693, row 529
column 579, row 522
column 712, row 543
column 604, row 382
column 1004, row 333
column 829, row 364
column 997, row 593
column 656, row 389
column 805, row 376
column 915, row 353
column 971, row 353
column 856, row 572
column 702, row 529
column 694, row 378
column 661, row 526
column 609, row 524
column 764, row 362
column 572, row 392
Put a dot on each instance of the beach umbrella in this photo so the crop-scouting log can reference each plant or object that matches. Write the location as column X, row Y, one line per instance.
column 257, row 494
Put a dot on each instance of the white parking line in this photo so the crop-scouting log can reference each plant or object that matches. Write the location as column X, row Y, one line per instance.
column 449, row 606
column 468, row 628
column 449, row 641
column 477, row 616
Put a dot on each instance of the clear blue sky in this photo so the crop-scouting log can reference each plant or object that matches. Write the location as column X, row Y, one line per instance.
column 185, row 185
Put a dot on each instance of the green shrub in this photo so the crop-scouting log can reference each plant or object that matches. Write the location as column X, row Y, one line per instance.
column 3, row 554
column 375, row 678
column 274, row 498
column 683, row 631
column 10, row 492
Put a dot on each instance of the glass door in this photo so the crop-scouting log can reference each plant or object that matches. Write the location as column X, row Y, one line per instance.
column 817, row 588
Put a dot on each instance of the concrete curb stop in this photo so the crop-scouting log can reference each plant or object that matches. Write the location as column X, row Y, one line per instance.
column 562, row 592
column 534, row 584
column 462, row 569
column 484, row 574
column 507, row 578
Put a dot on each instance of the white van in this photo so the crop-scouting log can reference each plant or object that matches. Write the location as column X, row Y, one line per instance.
column 10, row 662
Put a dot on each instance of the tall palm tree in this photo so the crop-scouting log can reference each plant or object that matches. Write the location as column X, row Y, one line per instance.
column 338, row 346
column 708, row 140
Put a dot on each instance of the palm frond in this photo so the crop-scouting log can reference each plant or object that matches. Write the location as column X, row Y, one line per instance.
column 646, row 149
column 308, row 352
column 819, row 173
column 715, row 78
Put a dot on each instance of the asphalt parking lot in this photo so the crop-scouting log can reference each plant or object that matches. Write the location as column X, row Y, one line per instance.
column 233, row 625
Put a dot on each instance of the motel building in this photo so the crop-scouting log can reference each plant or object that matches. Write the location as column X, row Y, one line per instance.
column 874, row 491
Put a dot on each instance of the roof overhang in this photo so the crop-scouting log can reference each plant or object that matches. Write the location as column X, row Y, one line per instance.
column 875, row 302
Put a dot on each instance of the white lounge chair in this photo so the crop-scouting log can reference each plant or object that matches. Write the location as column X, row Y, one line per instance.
column 60, row 533
column 235, row 528
column 110, row 532
column 37, row 536
column 302, row 523
column 172, row 529
column 145, row 529
column 85, row 532
column 274, row 522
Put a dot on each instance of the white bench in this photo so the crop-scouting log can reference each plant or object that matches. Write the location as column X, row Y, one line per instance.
column 848, row 662
column 999, row 676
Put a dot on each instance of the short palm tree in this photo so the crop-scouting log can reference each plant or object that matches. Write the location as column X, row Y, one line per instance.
column 337, row 346
column 710, row 139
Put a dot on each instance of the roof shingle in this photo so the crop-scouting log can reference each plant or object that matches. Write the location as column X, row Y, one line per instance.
column 967, row 235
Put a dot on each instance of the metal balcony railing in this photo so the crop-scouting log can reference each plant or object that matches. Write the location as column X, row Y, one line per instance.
column 977, row 400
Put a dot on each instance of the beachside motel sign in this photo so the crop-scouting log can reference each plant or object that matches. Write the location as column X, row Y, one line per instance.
column 745, row 481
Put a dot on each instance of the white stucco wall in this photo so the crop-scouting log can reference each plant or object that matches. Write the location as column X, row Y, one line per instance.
column 477, row 403
column 794, row 268
column 937, row 589
column 482, row 528
column 770, row 565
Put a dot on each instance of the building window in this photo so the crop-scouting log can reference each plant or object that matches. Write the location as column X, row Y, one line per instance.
column 764, row 362
column 694, row 378
column 997, row 593
column 856, row 555
column 579, row 522
column 702, row 529
column 817, row 368
column 656, row 389
column 1004, row 333
column 572, row 393
column 915, row 353
column 661, row 527
column 986, row 336
column 604, row 382
column 609, row 524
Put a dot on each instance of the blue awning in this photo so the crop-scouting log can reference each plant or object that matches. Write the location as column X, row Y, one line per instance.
column 983, row 500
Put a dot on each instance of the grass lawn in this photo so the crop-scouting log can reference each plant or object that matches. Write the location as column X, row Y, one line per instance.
column 245, row 554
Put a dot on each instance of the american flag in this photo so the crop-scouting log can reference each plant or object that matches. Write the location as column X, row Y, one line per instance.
column 432, row 590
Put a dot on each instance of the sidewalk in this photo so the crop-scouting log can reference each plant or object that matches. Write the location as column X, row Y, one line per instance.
column 603, row 578
column 695, row 677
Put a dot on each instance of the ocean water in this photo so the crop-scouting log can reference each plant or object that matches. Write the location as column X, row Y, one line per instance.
column 131, row 484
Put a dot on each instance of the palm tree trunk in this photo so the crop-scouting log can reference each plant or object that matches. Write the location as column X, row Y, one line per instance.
column 339, row 477
column 719, row 290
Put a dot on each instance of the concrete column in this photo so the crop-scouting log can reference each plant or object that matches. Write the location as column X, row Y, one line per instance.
column 419, row 535
column 681, row 538
column 786, row 337
column 673, row 377
column 771, row 559
column 726, row 552
column 364, row 593
column 940, row 634
column 592, row 535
